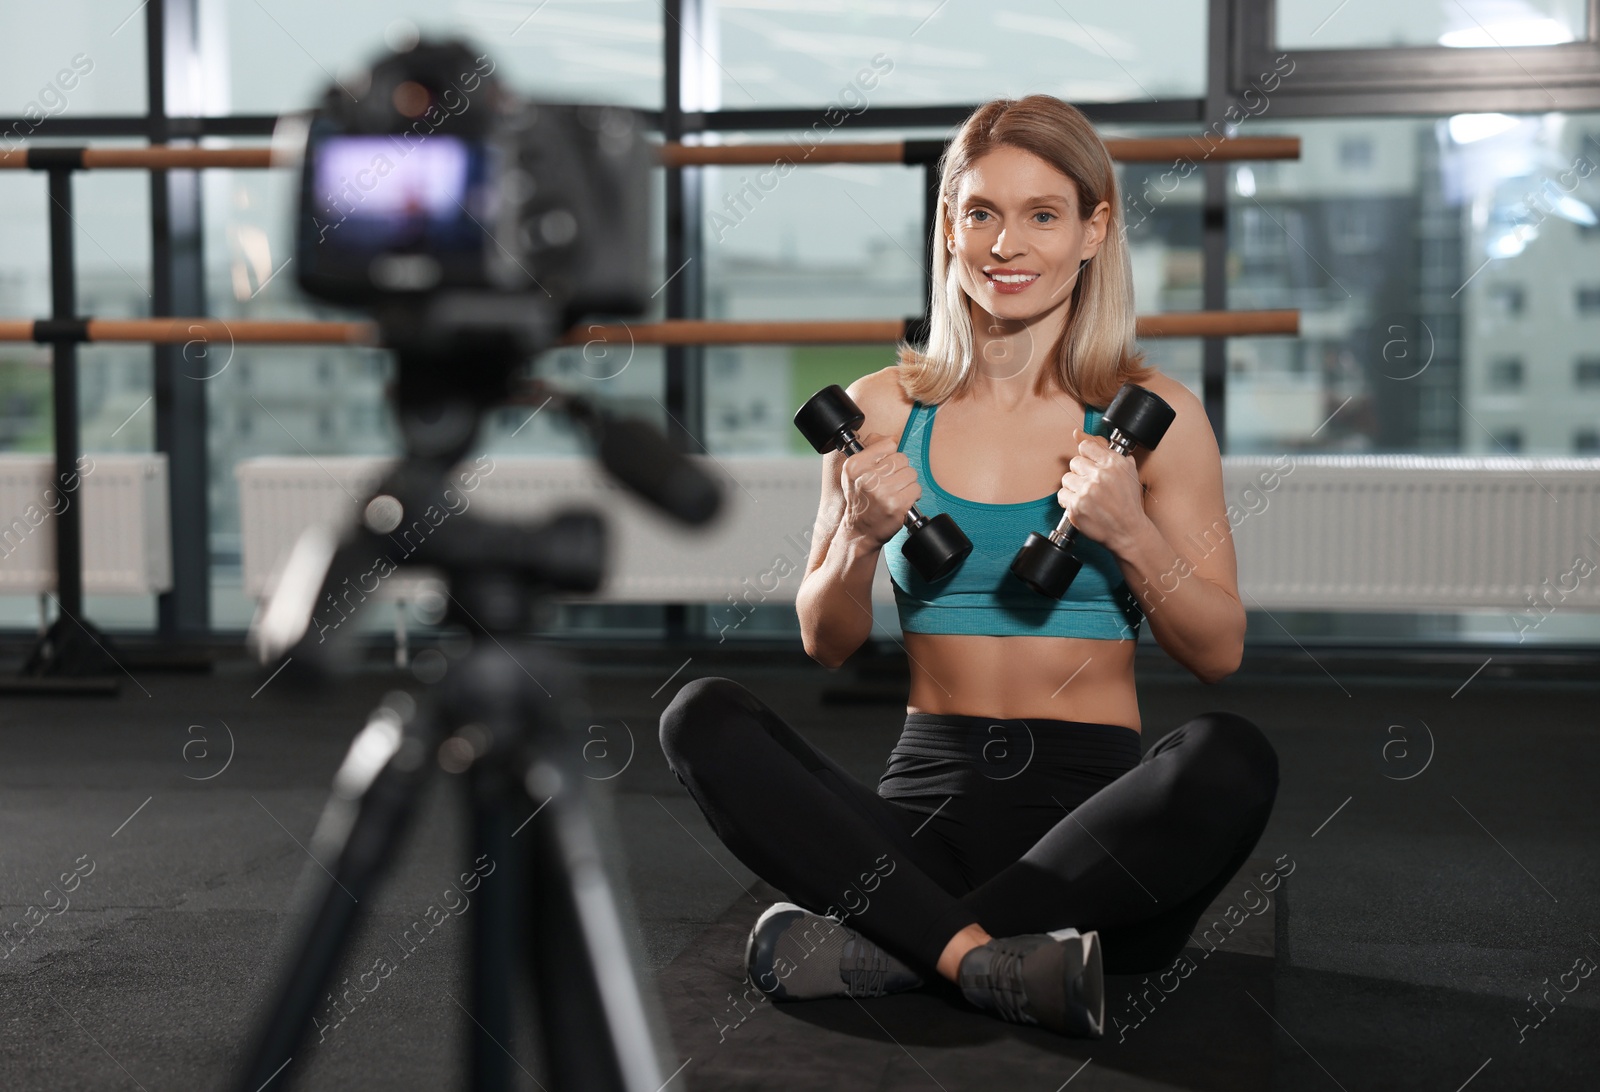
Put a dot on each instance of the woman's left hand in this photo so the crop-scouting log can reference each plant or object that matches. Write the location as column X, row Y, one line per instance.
column 1101, row 493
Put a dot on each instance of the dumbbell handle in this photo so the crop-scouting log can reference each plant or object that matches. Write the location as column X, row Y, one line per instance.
column 1065, row 533
column 848, row 441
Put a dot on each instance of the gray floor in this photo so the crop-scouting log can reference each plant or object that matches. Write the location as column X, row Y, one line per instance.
column 1443, row 848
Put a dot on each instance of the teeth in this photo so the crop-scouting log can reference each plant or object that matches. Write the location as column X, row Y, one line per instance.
column 1013, row 278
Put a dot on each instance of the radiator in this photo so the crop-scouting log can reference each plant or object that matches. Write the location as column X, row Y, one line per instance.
column 1311, row 532
column 1398, row 532
column 768, row 511
column 126, row 536
column 280, row 497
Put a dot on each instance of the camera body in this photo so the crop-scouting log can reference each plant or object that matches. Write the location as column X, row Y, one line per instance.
column 432, row 194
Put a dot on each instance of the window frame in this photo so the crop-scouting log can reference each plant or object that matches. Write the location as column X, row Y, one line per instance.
column 1411, row 79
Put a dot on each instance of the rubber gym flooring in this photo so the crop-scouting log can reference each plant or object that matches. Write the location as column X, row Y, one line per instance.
column 1437, row 930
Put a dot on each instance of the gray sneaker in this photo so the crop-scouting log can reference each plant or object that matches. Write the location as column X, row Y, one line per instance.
column 795, row 955
column 1050, row 979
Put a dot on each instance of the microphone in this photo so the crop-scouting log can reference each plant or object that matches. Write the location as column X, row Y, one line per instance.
column 639, row 456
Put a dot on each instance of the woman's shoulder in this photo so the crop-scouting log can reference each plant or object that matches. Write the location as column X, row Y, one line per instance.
column 1174, row 392
column 883, row 401
column 1189, row 449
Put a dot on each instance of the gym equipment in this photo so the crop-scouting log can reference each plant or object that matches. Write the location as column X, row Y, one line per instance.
column 501, row 714
column 1138, row 418
column 934, row 547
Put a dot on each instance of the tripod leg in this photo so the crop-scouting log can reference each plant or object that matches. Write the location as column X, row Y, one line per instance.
column 374, row 795
column 494, row 928
column 600, row 1026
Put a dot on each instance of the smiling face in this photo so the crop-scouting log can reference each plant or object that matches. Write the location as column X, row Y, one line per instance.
column 1019, row 237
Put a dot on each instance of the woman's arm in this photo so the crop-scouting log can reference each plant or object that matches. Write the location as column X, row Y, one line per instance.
column 834, row 602
column 1170, row 536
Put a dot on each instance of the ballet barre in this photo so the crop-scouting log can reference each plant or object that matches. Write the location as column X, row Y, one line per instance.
column 183, row 331
column 670, row 153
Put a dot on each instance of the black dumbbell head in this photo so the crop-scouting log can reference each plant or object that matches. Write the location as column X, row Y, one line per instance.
column 936, row 548
column 825, row 415
column 1140, row 414
column 1046, row 566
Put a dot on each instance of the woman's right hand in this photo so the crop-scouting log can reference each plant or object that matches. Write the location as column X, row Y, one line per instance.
column 879, row 489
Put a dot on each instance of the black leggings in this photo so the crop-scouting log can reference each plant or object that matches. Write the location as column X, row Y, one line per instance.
column 1022, row 826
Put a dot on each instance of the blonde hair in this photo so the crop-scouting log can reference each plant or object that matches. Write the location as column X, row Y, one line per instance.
column 1097, row 352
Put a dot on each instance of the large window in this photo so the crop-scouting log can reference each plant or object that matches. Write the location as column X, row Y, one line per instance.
column 1438, row 234
column 765, row 53
column 273, row 56
column 1435, row 274
column 69, row 60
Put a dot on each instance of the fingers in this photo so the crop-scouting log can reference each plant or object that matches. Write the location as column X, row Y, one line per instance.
column 879, row 485
column 879, row 468
column 873, row 453
column 872, row 448
column 1085, row 465
column 878, row 464
column 1096, row 448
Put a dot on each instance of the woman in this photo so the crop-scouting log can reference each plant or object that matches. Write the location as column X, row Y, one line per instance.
column 1018, row 843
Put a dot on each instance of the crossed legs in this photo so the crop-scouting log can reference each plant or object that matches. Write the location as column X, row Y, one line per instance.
column 1139, row 860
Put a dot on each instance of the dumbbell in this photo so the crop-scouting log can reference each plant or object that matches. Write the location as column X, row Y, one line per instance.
column 1138, row 418
column 829, row 420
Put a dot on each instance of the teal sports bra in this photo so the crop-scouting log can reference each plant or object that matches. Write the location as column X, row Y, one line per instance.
column 982, row 596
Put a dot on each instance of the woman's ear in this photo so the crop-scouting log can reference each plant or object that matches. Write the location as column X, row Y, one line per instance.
column 1098, row 223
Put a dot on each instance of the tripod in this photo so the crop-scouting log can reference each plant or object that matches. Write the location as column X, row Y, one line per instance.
column 501, row 719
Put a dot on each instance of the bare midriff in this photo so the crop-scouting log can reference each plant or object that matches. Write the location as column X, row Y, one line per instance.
column 1054, row 678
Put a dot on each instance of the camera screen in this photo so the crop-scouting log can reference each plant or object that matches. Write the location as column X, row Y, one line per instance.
column 385, row 193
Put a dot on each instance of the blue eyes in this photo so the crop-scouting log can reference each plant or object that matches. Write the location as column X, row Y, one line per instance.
column 984, row 212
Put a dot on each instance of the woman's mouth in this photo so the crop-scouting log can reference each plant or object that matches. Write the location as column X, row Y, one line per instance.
column 1011, row 283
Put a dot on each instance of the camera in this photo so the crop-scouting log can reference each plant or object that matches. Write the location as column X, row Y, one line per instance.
column 434, row 197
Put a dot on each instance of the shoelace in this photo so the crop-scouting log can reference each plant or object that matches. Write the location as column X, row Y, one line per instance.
column 865, row 970
column 1004, row 983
